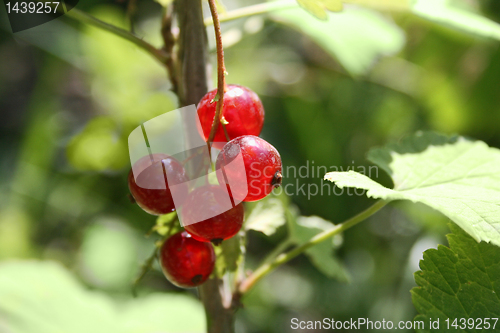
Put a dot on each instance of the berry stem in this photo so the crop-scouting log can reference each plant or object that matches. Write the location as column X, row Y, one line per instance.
column 221, row 74
column 267, row 268
column 225, row 132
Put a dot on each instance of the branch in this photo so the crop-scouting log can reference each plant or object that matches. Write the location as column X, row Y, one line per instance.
column 267, row 268
column 191, row 56
column 83, row 17
column 261, row 8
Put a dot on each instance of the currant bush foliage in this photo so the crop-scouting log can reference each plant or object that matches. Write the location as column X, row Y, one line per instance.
column 462, row 281
column 458, row 177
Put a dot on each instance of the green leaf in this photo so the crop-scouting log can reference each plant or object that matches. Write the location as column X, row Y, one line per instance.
column 356, row 37
column 302, row 229
column 441, row 12
column 267, row 216
column 462, row 281
column 43, row 297
column 457, row 177
column 229, row 255
column 318, row 8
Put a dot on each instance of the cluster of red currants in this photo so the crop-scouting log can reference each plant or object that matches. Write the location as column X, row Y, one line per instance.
column 187, row 258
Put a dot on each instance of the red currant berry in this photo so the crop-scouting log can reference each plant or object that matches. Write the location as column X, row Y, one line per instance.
column 242, row 110
column 210, row 215
column 185, row 261
column 261, row 172
column 150, row 187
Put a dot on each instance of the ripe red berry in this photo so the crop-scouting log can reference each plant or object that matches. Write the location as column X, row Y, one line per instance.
column 185, row 261
column 150, row 187
column 210, row 215
column 242, row 110
column 262, row 168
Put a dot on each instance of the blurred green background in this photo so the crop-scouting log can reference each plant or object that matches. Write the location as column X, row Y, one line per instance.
column 71, row 94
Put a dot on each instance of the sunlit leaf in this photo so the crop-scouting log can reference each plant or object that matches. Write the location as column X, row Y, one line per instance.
column 457, row 177
column 319, row 8
column 266, row 216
